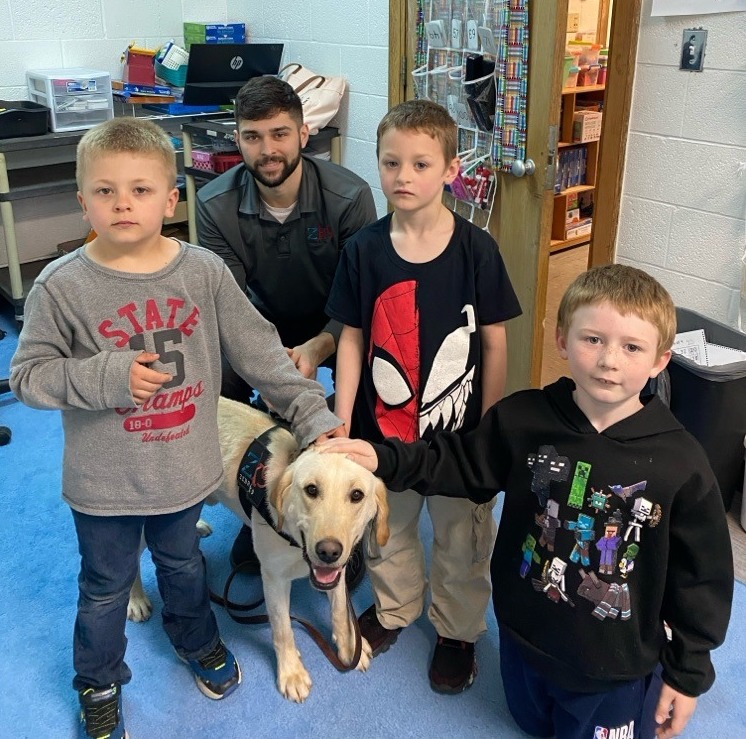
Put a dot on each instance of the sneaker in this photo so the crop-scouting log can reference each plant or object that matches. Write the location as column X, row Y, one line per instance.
column 101, row 713
column 454, row 666
column 379, row 637
column 243, row 554
column 217, row 674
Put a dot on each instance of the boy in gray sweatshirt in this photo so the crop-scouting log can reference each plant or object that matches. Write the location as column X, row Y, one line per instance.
column 124, row 337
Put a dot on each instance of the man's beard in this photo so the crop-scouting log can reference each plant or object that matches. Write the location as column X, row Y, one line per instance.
column 277, row 178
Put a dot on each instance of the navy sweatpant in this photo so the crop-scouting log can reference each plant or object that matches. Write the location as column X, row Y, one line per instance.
column 543, row 709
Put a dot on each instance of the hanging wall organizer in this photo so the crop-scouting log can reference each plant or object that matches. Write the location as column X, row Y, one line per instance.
column 472, row 58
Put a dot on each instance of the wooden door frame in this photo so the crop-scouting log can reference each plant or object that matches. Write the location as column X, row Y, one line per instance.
column 529, row 271
column 623, row 38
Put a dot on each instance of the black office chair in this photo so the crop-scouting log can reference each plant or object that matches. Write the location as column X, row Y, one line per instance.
column 5, row 432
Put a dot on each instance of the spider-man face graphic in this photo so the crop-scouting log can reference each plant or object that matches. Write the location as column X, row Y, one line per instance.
column 395, row 361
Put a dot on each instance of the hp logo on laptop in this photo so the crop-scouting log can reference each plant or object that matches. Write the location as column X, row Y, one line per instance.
column 236, row 62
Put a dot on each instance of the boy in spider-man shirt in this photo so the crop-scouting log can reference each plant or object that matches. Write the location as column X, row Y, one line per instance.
column 423, row 295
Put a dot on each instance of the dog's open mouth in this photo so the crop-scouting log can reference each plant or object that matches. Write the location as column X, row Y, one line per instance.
column 322, row 578
column 325, row 578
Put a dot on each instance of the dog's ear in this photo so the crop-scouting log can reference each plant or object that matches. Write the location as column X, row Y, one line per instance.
column 283, row 450
column 382, row 516
column 278, row 487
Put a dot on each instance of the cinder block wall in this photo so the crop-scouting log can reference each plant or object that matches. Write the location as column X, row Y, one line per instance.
column 311, row 31
column 94, row 33
column 683, row 215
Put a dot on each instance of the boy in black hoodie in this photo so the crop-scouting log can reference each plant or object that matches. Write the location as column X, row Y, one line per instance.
column 613, row 523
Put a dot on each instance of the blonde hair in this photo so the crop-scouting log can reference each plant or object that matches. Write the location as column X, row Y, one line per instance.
column 133, row 135
column 423, row 116
column 628, row 290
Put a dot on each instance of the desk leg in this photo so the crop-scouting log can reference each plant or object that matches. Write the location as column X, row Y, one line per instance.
column 191, row 189
column 9, row 229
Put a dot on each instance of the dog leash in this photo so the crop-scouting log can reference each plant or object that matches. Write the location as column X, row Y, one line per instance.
column 321, row 641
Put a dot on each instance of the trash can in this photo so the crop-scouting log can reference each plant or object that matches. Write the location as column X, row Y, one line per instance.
column 710, row 402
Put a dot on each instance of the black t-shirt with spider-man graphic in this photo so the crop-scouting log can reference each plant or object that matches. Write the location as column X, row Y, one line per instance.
column 420, row 322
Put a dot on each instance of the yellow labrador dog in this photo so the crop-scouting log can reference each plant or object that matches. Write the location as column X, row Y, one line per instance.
column 326, row 503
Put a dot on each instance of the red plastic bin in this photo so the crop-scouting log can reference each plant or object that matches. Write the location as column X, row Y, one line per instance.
column 223, row 162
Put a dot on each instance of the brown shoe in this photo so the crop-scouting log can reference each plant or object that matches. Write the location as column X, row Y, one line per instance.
column 454, row 666
column 379, row 637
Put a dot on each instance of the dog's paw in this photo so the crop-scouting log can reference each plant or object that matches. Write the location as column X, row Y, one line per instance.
column 295, row 685
column 346, row 652
column 203, row 529
column 139, row 607
column 366, row 655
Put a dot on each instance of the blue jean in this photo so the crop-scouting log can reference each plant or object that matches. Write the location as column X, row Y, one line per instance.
column 541, row 708
column 109, row 557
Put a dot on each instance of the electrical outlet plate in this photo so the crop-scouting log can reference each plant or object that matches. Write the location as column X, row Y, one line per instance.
column 573, row 22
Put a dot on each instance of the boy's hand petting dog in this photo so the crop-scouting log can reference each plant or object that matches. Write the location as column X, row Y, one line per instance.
column 357, row 450
column 145, row 382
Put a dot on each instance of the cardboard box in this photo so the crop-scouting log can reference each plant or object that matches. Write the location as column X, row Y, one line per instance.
column 581, row 229
column 138, row 66
column 214, row 33
column 586, row 126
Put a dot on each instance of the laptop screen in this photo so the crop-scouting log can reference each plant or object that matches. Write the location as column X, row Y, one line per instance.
column 216, row 72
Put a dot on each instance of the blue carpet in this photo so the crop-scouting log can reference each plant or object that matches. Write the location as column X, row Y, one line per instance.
column 392, row 700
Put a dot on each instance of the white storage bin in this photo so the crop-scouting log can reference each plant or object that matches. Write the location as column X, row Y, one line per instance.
column 77, row 97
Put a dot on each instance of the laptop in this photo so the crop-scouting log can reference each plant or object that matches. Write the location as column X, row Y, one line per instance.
column 216, row 72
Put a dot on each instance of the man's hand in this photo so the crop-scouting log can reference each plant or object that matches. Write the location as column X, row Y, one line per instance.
column 145, row 382
column 673, row 712
column 308, row 356
column 355, row 449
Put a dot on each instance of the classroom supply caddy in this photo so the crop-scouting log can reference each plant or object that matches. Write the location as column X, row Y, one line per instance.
column 77, row 97
column 472, row 59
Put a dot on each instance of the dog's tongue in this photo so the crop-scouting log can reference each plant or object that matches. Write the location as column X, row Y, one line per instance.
column 325, row 575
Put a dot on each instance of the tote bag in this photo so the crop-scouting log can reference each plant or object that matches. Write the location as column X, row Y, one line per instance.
column 320, row 96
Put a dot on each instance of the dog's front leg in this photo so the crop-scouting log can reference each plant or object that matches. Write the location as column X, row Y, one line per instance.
column 139, row 606
column 293, row 680
column 343, row 630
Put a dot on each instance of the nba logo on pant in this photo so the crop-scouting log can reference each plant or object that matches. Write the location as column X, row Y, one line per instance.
column 620, row 732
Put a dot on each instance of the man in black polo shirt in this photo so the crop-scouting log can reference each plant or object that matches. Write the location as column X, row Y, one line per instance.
column 280, row 220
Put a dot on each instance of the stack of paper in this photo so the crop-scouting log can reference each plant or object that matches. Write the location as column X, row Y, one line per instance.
column 694, row 346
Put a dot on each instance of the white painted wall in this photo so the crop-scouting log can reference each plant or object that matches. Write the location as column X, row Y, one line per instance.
column 683, row 215
column 94, row 33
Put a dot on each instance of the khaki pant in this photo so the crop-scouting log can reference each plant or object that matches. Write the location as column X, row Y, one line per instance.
column 463, row 538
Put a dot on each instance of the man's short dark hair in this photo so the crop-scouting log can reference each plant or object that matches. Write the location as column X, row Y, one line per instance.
column 264, row 97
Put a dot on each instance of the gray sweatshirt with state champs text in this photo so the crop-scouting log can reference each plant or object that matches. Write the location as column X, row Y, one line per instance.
column 85, row 324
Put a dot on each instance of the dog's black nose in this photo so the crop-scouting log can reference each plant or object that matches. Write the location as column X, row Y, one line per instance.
column 329, row 550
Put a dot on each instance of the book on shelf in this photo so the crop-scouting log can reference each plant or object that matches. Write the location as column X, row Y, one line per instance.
column 141, row 99
column 132, row 89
